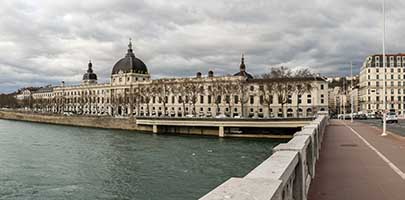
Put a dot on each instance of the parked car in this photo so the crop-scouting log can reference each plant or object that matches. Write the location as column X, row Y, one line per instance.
column 221, row 116
column 391, row 117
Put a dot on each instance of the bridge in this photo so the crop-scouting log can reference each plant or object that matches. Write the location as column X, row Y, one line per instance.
column 222, row 127
column 355, row 162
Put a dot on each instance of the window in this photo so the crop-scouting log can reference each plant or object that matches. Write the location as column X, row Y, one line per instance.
column 261, row 100
column 252, row 100
column 219, row 99
column 236, row 99
column 209, row 99
column 252, row 88
column 309, row 99
column 299, row 99
column 201, row 99
column 377, row 76
column 228, row 99
column 322, row 87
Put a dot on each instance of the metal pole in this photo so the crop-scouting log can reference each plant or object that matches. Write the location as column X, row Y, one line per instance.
column 351, row 92
column 384, row 72
column 344, row 98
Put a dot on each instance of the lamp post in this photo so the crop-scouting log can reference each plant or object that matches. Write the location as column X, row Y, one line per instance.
column 351, row 91
column 344, row 99
column 384, row 78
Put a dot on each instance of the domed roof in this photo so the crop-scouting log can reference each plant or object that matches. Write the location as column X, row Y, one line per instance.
column 242, row 69
column 89, row 75
column 130, row 63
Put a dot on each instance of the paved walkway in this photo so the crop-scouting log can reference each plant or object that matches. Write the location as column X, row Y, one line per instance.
column 357, row 163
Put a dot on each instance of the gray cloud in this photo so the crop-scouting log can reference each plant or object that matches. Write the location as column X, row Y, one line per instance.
column 44, row 42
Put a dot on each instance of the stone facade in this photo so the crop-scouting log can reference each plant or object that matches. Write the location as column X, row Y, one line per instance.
column 132, row 93
column 371, row 83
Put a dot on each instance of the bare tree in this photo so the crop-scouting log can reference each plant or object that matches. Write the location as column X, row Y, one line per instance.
column 193, row 89
column 216, row 91
column 267, row 89
column 243, row 95
column 285, row 83
column 145, row 94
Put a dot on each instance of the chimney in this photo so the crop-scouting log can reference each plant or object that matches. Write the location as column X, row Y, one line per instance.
column 199, row 74
column 63, row 84
column 210, row 74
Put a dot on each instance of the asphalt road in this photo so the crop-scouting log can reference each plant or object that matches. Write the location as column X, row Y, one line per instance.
column 397, row 128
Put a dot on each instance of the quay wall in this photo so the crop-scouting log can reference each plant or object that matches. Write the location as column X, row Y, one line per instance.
column 130, row 124
column 84, row 121
column 285, row 175
column 101, row 122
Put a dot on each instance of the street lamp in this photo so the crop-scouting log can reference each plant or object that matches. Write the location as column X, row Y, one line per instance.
column 351, row 91
column 384, row 73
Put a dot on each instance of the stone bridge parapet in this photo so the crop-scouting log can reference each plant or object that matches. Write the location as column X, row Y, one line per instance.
column 285, row 175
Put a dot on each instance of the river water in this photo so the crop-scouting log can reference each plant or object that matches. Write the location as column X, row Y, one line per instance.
column 41, row 161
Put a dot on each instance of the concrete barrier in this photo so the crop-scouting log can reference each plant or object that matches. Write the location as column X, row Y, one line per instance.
column 285, row 175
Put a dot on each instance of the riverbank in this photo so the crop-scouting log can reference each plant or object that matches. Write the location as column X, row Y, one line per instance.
column 83, row 121
column 272, row 129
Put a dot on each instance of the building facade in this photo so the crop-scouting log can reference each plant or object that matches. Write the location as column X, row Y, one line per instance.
column 132, row 93
column 372, row 80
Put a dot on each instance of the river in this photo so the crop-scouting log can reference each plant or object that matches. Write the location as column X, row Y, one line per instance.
column 42, row 161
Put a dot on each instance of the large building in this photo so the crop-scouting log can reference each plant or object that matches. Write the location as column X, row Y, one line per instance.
column 371, row 83
column 132, row 92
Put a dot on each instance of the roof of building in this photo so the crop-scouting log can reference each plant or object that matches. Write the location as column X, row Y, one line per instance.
column 130, row 64
column 242, row 69
column 47, row 88
column 90, row 75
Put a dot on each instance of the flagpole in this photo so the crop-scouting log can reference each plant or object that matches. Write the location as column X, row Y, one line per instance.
column 385, row 77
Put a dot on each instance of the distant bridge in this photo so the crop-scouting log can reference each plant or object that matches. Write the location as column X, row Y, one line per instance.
column 222, row 127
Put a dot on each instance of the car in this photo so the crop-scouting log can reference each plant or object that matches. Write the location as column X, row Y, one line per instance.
column 221, row 116
column 67, row 113
column 391, row 117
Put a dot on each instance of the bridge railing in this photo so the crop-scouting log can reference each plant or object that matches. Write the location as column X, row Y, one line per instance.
column 285, row 175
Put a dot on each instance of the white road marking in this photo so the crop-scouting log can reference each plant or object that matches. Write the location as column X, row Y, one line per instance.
column 393, row 167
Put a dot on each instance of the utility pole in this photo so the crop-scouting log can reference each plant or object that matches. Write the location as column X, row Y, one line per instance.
column 385, row 77
column 351, row 92
column 344, row 99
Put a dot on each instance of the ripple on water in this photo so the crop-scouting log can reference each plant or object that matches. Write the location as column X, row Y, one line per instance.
column 59, row 162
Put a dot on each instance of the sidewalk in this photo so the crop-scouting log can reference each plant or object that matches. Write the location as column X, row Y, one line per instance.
column 351, row 169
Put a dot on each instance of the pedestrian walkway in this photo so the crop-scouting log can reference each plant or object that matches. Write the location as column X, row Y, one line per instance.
column 357, row 163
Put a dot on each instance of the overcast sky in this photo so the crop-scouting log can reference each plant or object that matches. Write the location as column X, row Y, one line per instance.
column 45, row 42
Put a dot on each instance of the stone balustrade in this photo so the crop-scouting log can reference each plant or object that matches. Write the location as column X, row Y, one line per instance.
column 285, row 175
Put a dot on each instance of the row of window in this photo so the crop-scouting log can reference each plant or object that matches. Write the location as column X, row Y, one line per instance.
column 399, row 91
column 121, row 79
column 392, row 76
column 392, row 70
column 392, row 83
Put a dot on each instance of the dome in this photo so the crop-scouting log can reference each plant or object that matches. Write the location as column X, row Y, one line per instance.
column 242, row 69
column 130, row 63
column 89, row 75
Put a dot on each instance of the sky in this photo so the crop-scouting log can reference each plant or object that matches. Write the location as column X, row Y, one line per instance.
column 44, row 42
